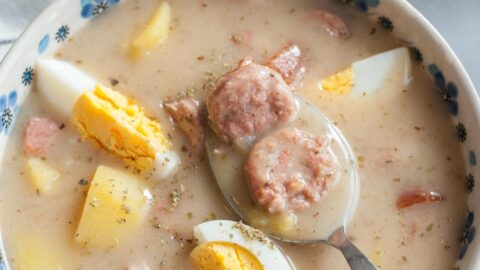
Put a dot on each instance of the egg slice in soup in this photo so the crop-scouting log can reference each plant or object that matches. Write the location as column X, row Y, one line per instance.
column 106, row 116
column 61, row 84
column 368, row 75
column 225, row 244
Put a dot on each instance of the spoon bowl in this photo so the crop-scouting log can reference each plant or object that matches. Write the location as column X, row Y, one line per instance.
column 324, row 221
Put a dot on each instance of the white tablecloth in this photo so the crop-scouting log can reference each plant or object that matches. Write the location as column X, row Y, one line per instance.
column 457, row 20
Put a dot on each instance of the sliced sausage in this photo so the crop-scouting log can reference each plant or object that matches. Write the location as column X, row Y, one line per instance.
column 249, row 101
column 39, row 135
column 289, row 63
column 290, row 169
column 187, row 114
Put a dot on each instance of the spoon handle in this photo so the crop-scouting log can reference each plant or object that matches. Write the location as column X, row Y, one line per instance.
column 355, row 258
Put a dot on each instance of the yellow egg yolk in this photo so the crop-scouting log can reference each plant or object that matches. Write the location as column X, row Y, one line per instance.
column 120, row 126
column 224, row 256
column 339, row 83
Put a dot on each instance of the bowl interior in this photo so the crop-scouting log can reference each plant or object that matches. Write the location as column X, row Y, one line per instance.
column 63, row 18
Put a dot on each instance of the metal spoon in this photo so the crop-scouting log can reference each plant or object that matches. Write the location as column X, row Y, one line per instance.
column 226, row 162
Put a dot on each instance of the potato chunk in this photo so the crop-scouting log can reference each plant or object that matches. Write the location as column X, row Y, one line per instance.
column 155, row 33
column 43, row 176
column 280, row 223
column 116, row 205
column 39, row 252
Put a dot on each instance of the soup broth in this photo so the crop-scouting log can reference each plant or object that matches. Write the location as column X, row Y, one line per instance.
column 403, row 138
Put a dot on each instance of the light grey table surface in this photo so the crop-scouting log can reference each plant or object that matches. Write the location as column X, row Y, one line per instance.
column 457, row 20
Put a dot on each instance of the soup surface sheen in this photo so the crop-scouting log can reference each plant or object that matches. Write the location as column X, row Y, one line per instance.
column 403, row 138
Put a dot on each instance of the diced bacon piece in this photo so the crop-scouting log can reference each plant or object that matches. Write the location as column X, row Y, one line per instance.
column 39, row 135
column 408, row 199
column 289, row 63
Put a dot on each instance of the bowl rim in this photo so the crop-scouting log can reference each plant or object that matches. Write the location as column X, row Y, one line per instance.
column 471, row 93
column 8, row 60
column 410, row 10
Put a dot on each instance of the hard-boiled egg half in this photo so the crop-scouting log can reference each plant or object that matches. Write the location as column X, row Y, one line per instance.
column 117, row 123
column 225, row 244
column 368, row 75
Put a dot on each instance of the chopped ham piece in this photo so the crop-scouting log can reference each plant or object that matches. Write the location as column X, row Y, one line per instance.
column 289, row 63
column 333, row 24
column 39, row 135
column 420, row 196
column 187, row 113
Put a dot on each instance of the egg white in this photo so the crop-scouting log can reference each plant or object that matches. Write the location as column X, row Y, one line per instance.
column 267, row 253
column 61, row 83
column 371, row 73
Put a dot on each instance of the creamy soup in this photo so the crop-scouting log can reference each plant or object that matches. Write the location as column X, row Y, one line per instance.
column 402, row 137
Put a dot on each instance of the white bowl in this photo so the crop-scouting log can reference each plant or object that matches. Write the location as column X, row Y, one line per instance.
column 65, row 17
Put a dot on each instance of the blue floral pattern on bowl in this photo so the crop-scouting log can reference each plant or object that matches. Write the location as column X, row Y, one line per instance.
column 364, row 5
column 416, row 54
column 385, row 23
column 472, row 158
column 43, row 44
column 8, row 110
column 27, row 76
column 62, row 33
column 469, row 232
column 449, row 92
column 92, row 8
column 470, row 183
column 9, row 102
